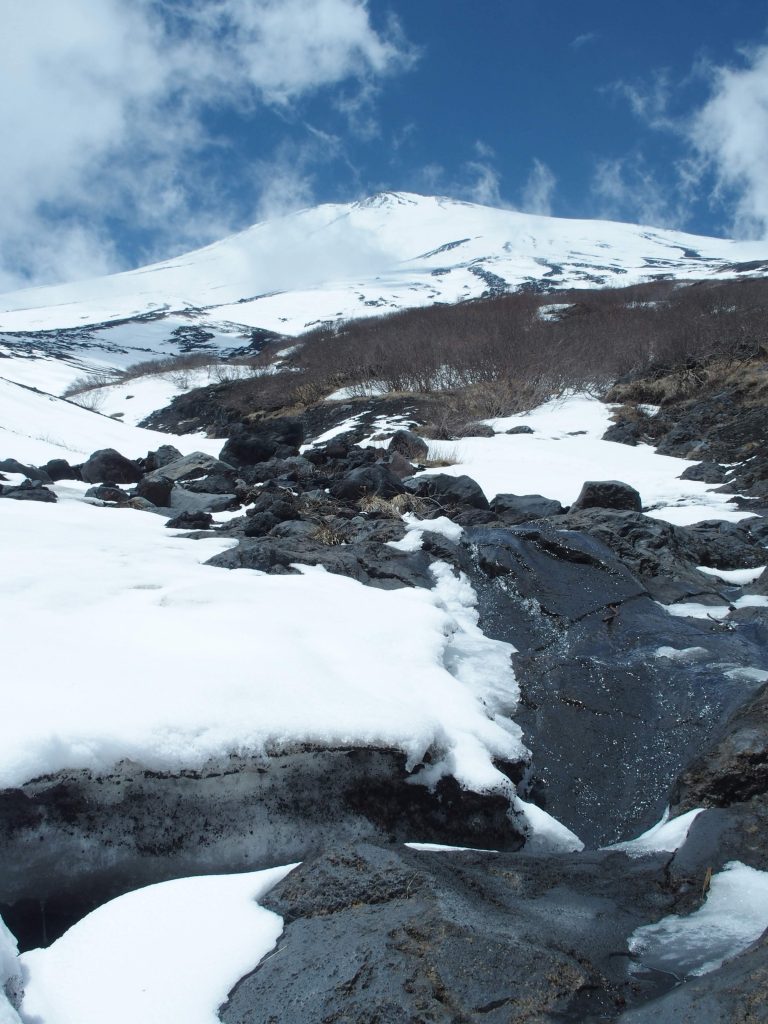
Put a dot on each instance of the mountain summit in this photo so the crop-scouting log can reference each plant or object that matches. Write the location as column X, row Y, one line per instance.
column 391, row 251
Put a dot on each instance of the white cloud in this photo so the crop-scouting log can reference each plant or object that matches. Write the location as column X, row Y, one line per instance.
column 626, row 189
column 103, row 104
column 582, row 40
column 538, row 190
column 729, row 133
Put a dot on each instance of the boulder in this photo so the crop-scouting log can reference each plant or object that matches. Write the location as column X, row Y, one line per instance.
column 409, row 445
column 161, row 457
column 109, row 466
column 400, row 466
column 608, row 494
column 190, row 467
column 368, row 481
column 156, row 490
column 521, row 429
column 523, row 508
column 624, row 432
column 183, row 500
column 449, row 490
column 107, row 492
column 706, row 472
column 28, row 491
column 191, row 521
column 30, row 472
column 60, row 469
column 254, row 443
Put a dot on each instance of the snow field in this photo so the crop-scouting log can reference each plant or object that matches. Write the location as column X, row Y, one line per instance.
column 566, row 449
column 166, row 954
column 169, row 662
column 37, row 427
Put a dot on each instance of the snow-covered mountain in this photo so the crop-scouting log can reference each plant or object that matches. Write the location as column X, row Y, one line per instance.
column 392, row 251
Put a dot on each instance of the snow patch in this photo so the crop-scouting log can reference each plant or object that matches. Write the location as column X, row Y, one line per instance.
column 165, row 954
column 665, row 836
column 734, row 915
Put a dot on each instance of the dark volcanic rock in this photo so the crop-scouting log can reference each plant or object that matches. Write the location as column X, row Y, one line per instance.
column 520, row 429
column 28, row 491
column 624, row 432
column 608, row 494
column 107, row 492
column 30, row 472
column 368, row 481
column 190, row 467
column 400, row 466
column 398, row 936
column 161, row 457
column 409, row 445
column 156, row 489
column 60, row 469
column 735, row 768
column 609, row 721
column 235, row 815
column 191, row 521
column 706, row 472
column 523, row 508
column 665, row 557
column 368, row 562
column 450, row 490
column 254, row 443
column 109, row 466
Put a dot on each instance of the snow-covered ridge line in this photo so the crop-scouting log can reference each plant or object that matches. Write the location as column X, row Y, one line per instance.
column 392, row 251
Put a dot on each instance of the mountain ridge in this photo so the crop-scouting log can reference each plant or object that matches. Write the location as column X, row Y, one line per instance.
column 387, row 252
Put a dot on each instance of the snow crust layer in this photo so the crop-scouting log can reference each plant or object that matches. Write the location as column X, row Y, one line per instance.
column 166, row 954
column 734, row 915
column 160, row 659
column 665, row 836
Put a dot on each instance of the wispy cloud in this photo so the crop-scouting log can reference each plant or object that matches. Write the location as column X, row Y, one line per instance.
column 104, row 110
column 724, row 147
column 539, row 190
column 582, row 40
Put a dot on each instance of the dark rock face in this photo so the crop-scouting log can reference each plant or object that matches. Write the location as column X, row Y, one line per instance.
column 665, row 557
column 450, row 490
column 369, row 481
column 109, row 466
column 409, row 445
column 735, row 767
column 28, row 491
column 399, row 936
column 233, row 816
column 608, row 494
column 588, row 635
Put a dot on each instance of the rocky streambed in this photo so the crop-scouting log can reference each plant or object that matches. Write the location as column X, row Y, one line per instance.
column 627, row 708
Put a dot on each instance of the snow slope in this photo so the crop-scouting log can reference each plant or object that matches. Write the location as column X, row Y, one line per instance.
column 390, row 251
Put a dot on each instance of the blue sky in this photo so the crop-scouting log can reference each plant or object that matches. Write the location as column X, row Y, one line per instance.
column 138, row 130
